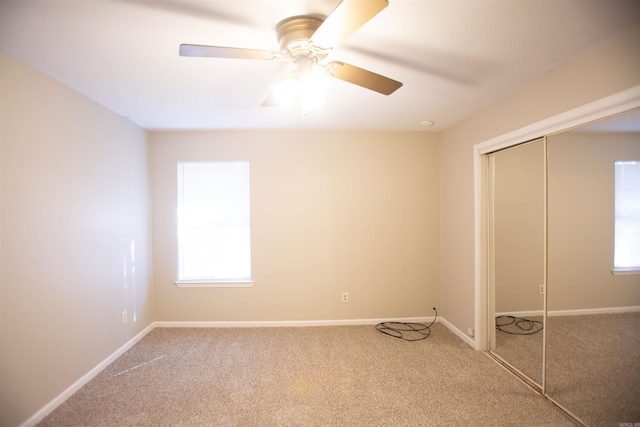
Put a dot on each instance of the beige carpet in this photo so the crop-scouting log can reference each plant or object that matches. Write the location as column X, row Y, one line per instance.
column 593, row 364
column 310, row 376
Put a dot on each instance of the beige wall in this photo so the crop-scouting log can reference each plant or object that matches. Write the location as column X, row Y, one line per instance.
column 581, row 221
column 331, row 212
column 607, row 69
column 73, row 197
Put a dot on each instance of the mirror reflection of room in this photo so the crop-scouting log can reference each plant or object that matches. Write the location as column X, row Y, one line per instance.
column 593, row 305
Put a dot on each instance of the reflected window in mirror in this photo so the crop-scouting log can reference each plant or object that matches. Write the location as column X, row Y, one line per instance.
column 627, row 217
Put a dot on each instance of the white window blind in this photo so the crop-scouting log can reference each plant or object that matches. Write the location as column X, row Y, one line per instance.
column 214, row 236
column 627, row 215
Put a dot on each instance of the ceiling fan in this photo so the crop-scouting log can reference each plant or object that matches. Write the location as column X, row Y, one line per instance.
column 306, row 40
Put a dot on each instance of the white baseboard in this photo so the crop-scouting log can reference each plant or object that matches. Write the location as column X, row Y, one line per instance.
column 576, row 312
column 466, row 338
column 287, row 323
column 58, row 400
column 524, row 314
column 606, row 310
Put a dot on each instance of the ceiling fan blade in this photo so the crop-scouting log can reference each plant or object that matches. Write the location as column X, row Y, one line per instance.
column 364, row 78
column 226, row 52
column 345, row 20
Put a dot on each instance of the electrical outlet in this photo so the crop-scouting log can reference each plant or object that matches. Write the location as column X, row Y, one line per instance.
column 471, row 332
column 345, row 297
column 124, row 317
column 541, row 289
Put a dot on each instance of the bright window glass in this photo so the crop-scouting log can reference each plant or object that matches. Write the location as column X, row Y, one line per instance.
column 214, row 236
column 627, row 215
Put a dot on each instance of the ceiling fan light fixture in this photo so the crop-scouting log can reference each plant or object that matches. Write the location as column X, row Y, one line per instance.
column 306, row 85
column 313, row 88
column 285, row 91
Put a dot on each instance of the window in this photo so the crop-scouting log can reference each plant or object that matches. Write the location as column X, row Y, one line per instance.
column 627, row 216
column 214, row 236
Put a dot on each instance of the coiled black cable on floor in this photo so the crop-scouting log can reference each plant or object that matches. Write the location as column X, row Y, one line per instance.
column 407, row 331
column 518, row 325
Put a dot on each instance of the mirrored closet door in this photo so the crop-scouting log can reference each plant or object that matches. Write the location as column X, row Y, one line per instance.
column 593, row 306
column 564, row 211
column 517, row 256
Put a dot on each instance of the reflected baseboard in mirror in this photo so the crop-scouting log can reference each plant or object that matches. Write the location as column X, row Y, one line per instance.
column 593, row 366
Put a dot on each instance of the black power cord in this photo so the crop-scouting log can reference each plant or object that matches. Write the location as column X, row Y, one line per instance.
column 407, row 331
column 518, row 325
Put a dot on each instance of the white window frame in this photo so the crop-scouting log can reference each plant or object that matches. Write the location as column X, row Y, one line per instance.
column 625, row 203
column 191, row 281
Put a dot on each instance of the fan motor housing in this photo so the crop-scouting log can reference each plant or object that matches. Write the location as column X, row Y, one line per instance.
column 294, row 34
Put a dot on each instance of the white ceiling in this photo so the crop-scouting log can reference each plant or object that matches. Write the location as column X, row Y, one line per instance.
column 454, row 57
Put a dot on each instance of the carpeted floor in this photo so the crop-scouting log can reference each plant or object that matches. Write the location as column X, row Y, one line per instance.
column 593, row 364
column 308, row 376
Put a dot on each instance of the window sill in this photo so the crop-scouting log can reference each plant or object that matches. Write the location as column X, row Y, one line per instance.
column 626, row 271
column 212, row 283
